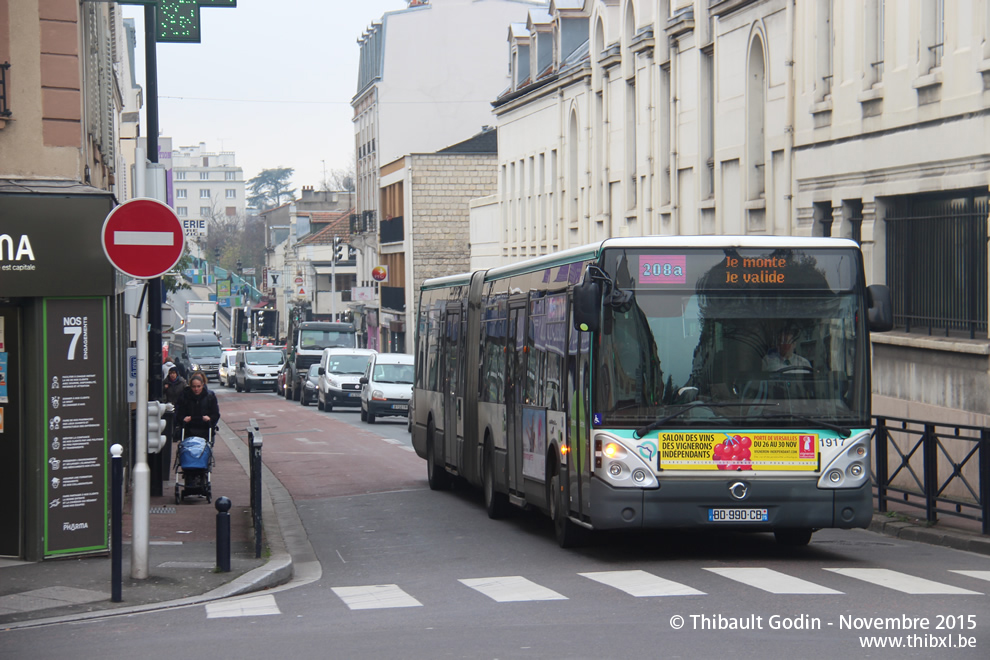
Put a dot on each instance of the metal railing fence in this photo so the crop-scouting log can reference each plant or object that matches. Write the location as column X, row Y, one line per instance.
column 941, row 468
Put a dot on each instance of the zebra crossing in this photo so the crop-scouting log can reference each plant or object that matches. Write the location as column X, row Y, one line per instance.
column 636, row 583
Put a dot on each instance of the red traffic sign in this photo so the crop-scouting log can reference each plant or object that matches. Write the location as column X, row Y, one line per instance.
column 143, row 238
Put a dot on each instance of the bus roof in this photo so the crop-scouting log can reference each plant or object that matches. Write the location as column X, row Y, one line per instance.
column 593, row 250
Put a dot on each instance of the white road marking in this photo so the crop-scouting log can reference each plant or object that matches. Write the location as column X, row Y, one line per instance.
column 307, row 441
column 908, row 584
column 979, row 575
column 375, row 596
column 510, row 589
column 143, row 238
column 642, row 584
column 772, row 581
column 253, row 606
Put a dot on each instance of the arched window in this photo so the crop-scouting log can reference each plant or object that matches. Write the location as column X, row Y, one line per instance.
column 756, row 118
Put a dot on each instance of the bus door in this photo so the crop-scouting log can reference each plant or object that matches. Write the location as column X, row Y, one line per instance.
column 453, row 398
column 515, row 377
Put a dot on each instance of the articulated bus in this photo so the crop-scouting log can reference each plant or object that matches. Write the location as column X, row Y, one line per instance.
column 656, row 382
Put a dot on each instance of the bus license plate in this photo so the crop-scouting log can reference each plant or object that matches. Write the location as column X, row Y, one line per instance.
column 737, row 515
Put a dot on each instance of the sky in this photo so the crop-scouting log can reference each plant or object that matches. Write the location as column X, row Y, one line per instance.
column 271, row 81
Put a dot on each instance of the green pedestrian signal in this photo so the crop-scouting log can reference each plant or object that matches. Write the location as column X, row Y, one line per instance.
column 178, row 20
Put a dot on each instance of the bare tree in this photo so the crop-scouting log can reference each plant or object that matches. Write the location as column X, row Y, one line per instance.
column 340, row 180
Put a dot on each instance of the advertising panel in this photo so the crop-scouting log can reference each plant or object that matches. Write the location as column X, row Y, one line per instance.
column 44, row 240
column 76, row 425
column 760, row 450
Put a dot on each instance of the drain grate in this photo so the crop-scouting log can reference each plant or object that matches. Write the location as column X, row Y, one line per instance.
column 162, row 509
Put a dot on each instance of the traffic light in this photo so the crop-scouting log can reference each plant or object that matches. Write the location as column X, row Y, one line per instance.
column 216, row 253
column 156, row 425
column 339, row 249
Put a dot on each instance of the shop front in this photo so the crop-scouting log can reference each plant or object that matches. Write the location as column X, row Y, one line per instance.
column 62, row 370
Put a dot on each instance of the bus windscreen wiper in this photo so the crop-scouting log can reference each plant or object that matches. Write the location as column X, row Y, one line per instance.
column 684, row 407
column 841, row 430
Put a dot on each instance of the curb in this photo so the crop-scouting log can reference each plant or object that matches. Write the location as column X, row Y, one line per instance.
column 278, row 570
column 956, row 539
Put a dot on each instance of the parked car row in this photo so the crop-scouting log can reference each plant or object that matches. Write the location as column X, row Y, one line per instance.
column 379, row 384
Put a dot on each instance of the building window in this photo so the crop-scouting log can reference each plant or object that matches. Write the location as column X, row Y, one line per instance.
column 824, row 35
column 180, row 193
column 231, row 210
column 204, row 176
column 180, row 176
column 204, row 193
column 204, row 211
column 229, row 176
column 707, row 106
column 873, row 32
column 938, row 44
column 181, row 211
column 937, row 263
column 231, row 193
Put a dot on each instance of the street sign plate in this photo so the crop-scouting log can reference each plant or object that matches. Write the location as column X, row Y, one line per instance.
column 143, row 238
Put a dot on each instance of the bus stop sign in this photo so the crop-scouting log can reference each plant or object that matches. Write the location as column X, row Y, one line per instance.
column 143, row 238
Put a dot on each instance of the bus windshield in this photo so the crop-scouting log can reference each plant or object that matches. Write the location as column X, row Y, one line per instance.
column 766, row 353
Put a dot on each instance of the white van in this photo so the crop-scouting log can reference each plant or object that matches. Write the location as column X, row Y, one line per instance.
column 257, row 368
column 386, row 386
column 340, row 374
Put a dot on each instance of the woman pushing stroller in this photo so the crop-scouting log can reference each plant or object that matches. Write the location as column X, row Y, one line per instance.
column 198, row 413
column 197, row 410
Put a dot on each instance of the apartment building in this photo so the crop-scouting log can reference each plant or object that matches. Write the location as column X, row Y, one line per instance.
column 867, row 120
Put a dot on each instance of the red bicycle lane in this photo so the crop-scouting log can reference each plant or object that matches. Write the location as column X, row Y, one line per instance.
column 317, row 456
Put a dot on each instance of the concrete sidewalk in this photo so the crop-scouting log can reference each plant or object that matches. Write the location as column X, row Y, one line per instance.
column 182, row 554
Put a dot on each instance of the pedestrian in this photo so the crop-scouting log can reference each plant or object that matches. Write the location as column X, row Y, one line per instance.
column 174, row 383
column 198, row 411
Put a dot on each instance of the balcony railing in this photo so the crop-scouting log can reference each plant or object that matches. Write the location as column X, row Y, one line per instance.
column 391, row 231
column 363, row 223
column 394, row 298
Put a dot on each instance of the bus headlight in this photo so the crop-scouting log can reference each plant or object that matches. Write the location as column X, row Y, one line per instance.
column 620, row 464
column 848, row 468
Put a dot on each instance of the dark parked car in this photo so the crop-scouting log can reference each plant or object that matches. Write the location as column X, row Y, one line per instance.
column 280, row 379
column 309, row 390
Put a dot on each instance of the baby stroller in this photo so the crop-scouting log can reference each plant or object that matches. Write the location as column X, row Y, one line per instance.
column 193, row 464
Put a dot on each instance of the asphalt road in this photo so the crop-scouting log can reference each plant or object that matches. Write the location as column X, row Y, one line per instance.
column 412, row 573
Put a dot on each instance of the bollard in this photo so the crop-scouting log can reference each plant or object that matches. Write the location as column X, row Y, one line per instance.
column 223, row 534
column 116, row 522
column 254, row 444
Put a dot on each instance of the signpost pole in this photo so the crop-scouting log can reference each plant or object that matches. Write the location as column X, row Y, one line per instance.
column 141, row 498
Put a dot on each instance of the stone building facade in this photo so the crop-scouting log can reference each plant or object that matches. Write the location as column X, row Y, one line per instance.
column 867, row 120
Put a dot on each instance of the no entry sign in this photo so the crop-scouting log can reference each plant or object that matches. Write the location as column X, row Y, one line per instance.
column 143, row 238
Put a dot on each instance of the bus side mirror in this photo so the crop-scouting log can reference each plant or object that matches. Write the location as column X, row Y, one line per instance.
column 587, row 304
column 881, row 311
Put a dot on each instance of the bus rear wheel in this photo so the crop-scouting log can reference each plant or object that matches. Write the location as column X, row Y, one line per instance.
column 437, row 477
column 569, row 535
column 496, row 503
column 793, row 538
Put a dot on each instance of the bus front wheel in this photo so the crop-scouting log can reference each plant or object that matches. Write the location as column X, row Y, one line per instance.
column 569, row 535
column 793, row 538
